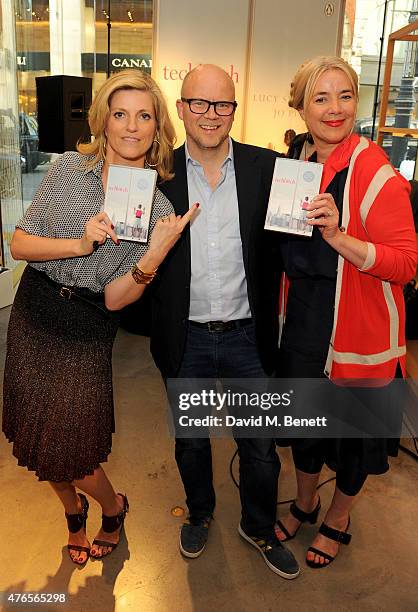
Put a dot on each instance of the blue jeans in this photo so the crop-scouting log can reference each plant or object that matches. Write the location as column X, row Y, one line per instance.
column 231, row 354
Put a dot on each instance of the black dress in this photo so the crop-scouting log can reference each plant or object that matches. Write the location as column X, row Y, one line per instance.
column 311, row 266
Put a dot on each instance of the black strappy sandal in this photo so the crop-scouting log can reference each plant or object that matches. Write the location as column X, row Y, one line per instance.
column 76, row 522
column 342, row 537
column 110, row 524
column 300, row 515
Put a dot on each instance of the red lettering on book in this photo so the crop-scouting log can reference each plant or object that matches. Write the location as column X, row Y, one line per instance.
column 118, row 188
column 285, row 180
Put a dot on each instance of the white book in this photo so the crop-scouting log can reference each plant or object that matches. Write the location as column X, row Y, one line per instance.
column 294, row 185
column 128, row 201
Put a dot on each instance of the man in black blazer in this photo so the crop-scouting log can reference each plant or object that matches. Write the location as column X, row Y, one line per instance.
column 215, row 304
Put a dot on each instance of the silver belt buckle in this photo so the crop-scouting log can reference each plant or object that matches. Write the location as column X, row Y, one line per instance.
column 66, row 292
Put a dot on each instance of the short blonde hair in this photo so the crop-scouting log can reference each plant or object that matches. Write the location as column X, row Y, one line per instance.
column 160, row 155
column 305, row 79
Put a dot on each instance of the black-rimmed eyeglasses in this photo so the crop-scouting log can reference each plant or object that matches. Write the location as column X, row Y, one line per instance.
column 200, row 107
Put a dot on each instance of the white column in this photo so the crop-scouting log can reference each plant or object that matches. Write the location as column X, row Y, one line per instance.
column 66, row 23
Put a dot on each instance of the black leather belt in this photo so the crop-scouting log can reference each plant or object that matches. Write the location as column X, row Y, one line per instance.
column 222, row 326
column 72, row 292
column 76, row 293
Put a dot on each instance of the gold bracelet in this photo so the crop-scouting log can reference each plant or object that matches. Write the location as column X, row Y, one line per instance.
column 140, row 277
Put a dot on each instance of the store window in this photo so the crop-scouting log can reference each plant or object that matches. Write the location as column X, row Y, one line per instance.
column 127, row 43
column 10, row 156
column 32, row 60
column 89, row 38
column 367, row 26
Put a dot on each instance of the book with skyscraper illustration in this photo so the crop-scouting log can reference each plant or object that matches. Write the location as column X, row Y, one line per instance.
column 128, row 200
column 294, row 185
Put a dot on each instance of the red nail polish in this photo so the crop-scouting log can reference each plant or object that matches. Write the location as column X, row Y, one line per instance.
column 197, row 204
column 118, row 242
column 112, row 226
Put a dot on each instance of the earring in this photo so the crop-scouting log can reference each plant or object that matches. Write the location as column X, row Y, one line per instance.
column 152, row 146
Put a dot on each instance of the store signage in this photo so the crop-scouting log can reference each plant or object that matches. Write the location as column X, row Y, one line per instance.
column 169, row 73
column 131, row 62
column 33, row 60
column 91, row 62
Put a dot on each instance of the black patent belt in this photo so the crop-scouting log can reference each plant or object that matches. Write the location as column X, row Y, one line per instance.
column 222, row 326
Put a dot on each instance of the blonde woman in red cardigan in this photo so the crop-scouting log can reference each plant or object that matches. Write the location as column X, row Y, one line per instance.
column 345, row 314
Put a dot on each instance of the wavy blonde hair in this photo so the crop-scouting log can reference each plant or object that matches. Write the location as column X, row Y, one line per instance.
column 159, row 155
column 307, row 75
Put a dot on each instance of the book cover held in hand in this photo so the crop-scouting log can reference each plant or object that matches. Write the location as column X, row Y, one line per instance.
column 128, row 200
column 293, row 186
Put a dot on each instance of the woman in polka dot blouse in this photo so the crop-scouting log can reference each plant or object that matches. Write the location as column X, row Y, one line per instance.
column 58, row 398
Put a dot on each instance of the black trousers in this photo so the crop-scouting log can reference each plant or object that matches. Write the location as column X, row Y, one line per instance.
column 349, row 480
column 231, row 354
column 351, row 459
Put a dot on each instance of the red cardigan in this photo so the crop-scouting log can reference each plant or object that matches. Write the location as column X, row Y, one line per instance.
column 368, row 336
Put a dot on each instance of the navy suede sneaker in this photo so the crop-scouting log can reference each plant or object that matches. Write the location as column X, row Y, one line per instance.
column 277, row 557
column 193, row 536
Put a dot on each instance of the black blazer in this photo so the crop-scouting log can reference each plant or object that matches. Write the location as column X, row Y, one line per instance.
column 171, row 291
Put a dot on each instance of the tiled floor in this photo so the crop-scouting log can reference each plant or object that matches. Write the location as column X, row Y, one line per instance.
column 377, row 572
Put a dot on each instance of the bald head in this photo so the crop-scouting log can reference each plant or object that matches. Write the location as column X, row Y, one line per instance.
column 207, row 132
column 210, row 78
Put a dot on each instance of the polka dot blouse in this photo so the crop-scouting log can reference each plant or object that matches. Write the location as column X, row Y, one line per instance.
column 66, row 199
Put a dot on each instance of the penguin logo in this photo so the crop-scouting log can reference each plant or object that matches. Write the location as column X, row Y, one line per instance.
column 329, row 9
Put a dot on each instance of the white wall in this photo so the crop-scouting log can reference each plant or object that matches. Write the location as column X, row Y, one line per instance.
column 264, row 40
column 188, row 33
column 284, row 35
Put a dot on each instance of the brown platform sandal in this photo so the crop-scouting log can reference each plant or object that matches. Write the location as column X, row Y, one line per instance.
column 110, row 524
column 76, row 522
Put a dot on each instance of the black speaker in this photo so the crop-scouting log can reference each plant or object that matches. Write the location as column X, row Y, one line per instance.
column 63, row 103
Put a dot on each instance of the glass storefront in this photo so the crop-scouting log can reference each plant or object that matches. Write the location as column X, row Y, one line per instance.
column 81, row 40
column 90, row 38
column 367, row 26
column 10, row 157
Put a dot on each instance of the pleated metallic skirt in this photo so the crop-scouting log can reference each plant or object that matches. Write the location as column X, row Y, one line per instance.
column 57, row 393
